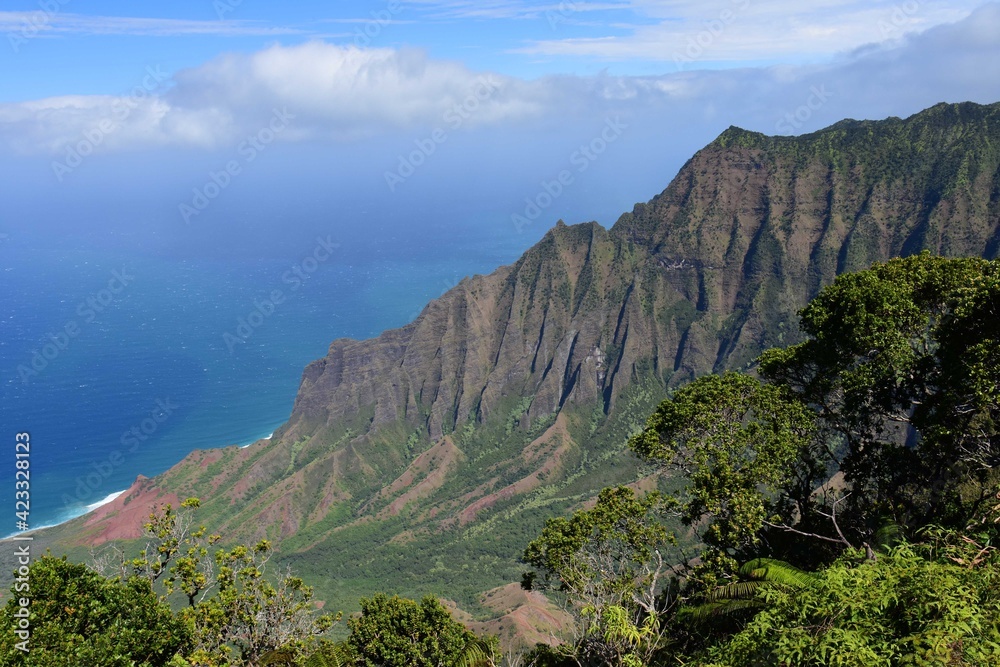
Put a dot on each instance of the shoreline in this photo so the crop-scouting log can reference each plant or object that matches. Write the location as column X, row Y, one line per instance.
column 266, row 437
column 87, row 509
column 103, row 501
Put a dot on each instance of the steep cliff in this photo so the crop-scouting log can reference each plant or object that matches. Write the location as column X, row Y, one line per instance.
column 424, row 459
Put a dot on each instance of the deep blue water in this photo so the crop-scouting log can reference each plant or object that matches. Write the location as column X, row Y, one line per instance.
column 130, row 378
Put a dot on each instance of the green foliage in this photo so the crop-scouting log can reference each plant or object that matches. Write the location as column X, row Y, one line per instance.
column 174, row 539
column 608, row 560
column 396, row 632
column 331, row 655
column 237, row 611
column 902, row 366
column 514, row 416
column 737, row 601
column 629, row 642
column 543, row 655
column 621, row 529
column 78, row 617
column 930, row 605
column 253, row 614
column 897, row 389
column 479, row 652
column 737, row 443
column 681, row 312
column 412, row 441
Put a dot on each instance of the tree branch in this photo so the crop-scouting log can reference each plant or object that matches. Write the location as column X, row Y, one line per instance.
column 833, row 517
column 789, row 529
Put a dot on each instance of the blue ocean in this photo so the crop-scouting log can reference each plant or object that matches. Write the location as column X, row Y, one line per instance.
column 131, row 335
column 118, row 363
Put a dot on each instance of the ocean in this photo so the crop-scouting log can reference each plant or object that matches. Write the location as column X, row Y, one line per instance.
column 119, row 363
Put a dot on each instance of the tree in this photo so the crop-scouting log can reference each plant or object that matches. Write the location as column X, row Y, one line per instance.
column 884, row 422
column 77, row 617
column 252, row 613
column 239, row 610
column 902, row 367
column 742, row 450
column 397, row 632
column 897, row 388
column 610, row 562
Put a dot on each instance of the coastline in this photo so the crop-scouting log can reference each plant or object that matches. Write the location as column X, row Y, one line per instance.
column 87, row 509
column 103, row 501
column 266, row 437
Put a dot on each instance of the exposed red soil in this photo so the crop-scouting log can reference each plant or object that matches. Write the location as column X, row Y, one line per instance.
column 124, row 517
column 525, row 618
column 432, row 466
column 548, row 448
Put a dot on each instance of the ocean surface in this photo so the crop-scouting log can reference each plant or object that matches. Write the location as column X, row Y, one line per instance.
column 119, row 363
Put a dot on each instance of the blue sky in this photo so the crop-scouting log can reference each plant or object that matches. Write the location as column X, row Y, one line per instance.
column 127, row 110
column 96, row 47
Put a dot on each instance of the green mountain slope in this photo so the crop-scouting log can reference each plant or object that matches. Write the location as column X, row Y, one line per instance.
column 424, row 460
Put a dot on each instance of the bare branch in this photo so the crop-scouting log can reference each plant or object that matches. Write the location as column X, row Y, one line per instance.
column 833, row 517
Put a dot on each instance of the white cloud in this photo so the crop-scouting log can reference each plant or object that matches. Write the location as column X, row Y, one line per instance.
column 751, row 30
column 51, row 124
column 344, row 93
column 333, row 92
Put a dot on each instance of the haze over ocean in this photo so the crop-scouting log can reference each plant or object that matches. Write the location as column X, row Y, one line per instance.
column 149, row 374
column 153, row 352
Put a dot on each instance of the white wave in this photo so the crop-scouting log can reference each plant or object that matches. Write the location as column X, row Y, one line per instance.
column 266, row 437
column 103, row 501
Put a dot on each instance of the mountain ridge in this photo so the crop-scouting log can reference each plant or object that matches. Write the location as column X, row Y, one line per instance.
column 513, row 392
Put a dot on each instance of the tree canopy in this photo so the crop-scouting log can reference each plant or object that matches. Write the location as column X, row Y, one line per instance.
column 78, row 617
column 397, row 632
column 866, row 458
column 901, row 369
column 840, row 505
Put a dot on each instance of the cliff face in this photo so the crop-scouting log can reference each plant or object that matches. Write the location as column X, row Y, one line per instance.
column 531, row 329
column 509, row 398
column 701, row 278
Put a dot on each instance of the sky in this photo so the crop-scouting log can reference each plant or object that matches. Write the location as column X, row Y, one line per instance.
column 136, row 122
column 94, row 47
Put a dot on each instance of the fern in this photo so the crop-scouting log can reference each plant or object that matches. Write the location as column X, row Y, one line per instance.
column 741, row 600
column 332, row 655
column 477, row 653
column 778, row 572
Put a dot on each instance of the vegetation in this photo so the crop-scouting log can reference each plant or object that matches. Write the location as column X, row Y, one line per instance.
column 932, row 603
column 855, row 480
column 841, row 508
column 182, row 602
column 610, row 561
column 395, row 632
column 901, row 369
column 77, row 617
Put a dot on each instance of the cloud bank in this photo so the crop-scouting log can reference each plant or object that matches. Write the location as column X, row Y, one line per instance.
column 343, row 94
